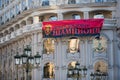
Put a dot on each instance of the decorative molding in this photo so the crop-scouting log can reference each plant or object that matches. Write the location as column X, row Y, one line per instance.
column 64, row 42
column 90, row 41
column 56, row 67
column 118, row 34
column 64, row 67
column 82, row 41
column 119, row 45
column 90, row 67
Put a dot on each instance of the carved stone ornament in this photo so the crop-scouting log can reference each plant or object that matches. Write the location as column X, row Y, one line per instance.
column 119, row 45
column 100, row 49
column 118, row 34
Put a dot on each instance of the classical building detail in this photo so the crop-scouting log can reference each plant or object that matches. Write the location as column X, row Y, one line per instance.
column 21, row 23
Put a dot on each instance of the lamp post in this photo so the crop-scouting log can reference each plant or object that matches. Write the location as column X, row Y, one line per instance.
column 99, row 75
column 27, row 60
column 17, row 62
column 77, row 72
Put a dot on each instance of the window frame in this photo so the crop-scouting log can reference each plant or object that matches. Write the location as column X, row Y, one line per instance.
column 101, row 44
column 51, row 50
column 77, row 47
column 53, row 18
column 99, row 15
column 46, row 72
column 45, row 2
column 74, row 16
column 71, row 1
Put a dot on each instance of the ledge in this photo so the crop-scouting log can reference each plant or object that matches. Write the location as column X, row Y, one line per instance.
column 29, row 29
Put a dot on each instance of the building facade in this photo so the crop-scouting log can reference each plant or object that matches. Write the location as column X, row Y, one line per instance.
column 21, row 25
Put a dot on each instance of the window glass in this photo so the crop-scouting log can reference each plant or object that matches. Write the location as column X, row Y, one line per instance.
column 73, row 45
column 98, row 0
column 49, row 46
column 30, row 3
column 17, row 8
column 100, row 45
column 7, row 2
column 49, row 70
column 7, row 15
column 0, row 19
column 53, row 18
column 76, row 16
column 23, row 5
column 11, row 13
column 3, row 3
column 0, row 4
column 99, row 15
column 45, row 2
column 71, row 1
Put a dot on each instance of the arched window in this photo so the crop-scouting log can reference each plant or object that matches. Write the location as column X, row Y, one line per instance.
column 52, row 18
column 45, row 2
column 71, row 1
column 48, row 70
column 49, row 46
column 101, row 66
column 99, row 15
column 73, row 45
column 100, row 44
column 76, row 16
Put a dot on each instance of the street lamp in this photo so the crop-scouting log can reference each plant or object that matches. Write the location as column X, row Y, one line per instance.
column 17, row 62
column 77, row 72
column 99, row 75
column 27, row 59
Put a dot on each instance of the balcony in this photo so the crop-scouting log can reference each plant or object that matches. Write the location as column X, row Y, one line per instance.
column 26, row 30
column 19, row 32
column 29, row 29
column 93, row 3
column 7, row 37
column 12, row 35
column 110, row 23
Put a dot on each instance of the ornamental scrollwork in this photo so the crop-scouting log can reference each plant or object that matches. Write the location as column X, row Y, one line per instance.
column 100, row 45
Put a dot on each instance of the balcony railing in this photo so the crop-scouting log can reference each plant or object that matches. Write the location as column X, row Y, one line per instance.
column 38, row 27
column 19, row 32
column 7, row 37
column 81, row 3
column 43, row 4
column 110, row 22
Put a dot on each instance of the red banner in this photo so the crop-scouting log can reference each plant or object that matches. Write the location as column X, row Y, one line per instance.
column 83, row 27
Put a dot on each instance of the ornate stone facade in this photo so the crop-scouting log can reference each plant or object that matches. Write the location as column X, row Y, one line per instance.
column 21, row 25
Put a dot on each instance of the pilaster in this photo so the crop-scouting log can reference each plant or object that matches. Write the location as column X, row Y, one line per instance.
column 60, row 16
column 35, row 19
column 86, row 14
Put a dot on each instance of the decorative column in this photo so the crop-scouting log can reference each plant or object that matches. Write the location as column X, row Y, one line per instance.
column 35, row 19
column 115, row 56
column 34, row 51
column 60, row 16
column 89, row 57
column 58, row 62
column 86, row 14
column 113, row 14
